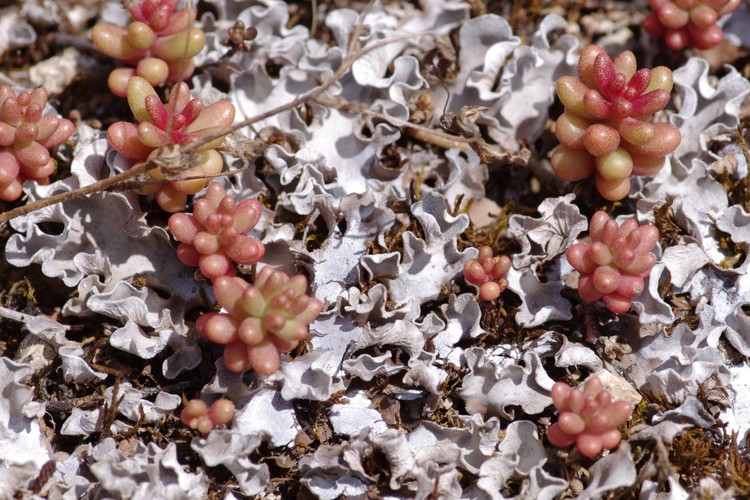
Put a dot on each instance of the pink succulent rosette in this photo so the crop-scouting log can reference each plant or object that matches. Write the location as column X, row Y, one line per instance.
column 488, row 272
column 179, row 122
column 614, row 264
column 26, row 136
column 605, row 130
column 199, row 416
column 261, row 321
column 215, row 237
column 160, row 43
column 588, row 418
column 688, row 22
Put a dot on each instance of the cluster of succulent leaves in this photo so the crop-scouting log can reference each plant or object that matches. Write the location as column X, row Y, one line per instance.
column 605, row 130
column 407, row 268
column 178, row 122
column 214, row 237
column 26, row 136
column 159, row 44
column 262, row 320
column 613, row 265
column 589, row 418
column 488, row 272
column 271, row 316
column 273, row 319
column 199, row 416
column 685, row 23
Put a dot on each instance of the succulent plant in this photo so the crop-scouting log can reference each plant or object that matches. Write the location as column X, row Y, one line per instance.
column 688, row 22
column 239, row 35
column 588, row 418
column 199, row 416
column 605, row 129
column 614, row 264
column 179, row 122
column 261, row 320
column 26, row 135
column 160, row 43
column 488, row 272
column 215, row 235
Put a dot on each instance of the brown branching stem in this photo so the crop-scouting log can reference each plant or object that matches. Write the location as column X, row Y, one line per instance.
column 488, row 153
column 312, row 95
column 420, row 132
column 96, row 187
column 354, row 53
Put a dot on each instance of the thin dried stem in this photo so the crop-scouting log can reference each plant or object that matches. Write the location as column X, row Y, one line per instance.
column 431, row 135
column 314, row 21
column 96, row 187
column 311, row 95
column 24, row 318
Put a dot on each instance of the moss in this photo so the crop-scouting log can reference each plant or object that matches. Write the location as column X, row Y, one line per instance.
column 669, row 231
column 524, row 15
column 700, row 453
column 738, row 190
column 493, row 235
column 447, row 413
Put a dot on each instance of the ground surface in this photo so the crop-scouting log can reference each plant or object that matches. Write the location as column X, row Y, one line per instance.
column 408, row 385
